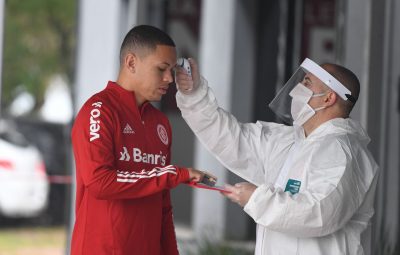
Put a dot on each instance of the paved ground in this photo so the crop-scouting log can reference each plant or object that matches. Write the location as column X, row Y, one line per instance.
column 32, row 241
column 29, row 240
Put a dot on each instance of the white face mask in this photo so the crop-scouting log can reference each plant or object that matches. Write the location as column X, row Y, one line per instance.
column 300, row 109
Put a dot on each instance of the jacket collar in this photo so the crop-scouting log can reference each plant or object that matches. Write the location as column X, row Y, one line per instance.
column 125, row 94
column 120, row 90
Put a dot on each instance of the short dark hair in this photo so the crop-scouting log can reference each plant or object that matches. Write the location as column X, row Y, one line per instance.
column 144, row 37
column 349, row 80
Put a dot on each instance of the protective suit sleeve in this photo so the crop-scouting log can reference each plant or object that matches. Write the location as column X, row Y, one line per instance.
column 168, row 238
column 95, row 159
column 234, row 144
column 337, row 185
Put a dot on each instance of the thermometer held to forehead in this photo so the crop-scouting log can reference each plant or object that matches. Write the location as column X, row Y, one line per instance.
column 183, row 62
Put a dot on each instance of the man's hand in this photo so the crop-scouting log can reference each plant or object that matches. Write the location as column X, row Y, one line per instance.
column 195, row 175
column 185, row 83
column 240, row 193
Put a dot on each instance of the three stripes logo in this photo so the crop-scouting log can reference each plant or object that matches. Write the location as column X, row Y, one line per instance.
column 128, row 129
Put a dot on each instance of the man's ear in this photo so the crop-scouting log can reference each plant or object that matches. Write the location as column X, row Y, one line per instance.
column 330, row 98
column 130, row 62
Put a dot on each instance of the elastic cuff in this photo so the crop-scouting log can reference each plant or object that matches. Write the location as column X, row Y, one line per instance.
column 189, row 100
column 251, row 205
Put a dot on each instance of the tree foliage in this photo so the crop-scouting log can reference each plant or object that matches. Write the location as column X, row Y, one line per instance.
column 39, row 41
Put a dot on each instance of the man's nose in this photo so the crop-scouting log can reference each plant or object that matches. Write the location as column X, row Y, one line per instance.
column 169, row 77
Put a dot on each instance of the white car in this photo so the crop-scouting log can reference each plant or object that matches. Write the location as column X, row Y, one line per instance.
column 24, row 186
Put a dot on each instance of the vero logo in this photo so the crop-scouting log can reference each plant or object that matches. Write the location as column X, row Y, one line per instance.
column 128, row 129
column 94, row 127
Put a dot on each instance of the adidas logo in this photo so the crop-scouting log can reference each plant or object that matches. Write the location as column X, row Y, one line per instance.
column 128, row 130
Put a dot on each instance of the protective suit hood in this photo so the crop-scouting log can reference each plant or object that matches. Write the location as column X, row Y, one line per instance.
column 340, row 126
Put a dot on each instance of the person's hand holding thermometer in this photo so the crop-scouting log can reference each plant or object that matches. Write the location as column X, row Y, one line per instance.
column 187, row 77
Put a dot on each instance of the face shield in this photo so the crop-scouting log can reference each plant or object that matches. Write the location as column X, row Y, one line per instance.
column 281, row 104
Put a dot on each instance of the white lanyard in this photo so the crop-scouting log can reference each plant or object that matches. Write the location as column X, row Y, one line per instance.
column 282, row 178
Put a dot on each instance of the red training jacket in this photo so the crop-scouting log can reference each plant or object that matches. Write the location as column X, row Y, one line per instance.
column 123, row 177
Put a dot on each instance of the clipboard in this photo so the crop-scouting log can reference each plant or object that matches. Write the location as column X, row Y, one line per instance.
column 204, row 186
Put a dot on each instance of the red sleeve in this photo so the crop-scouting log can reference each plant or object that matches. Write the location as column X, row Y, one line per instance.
column 92, row 139
column 168, row 238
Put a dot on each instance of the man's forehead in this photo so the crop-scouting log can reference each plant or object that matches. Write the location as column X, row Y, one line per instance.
column 315, row 81
column 164, row 54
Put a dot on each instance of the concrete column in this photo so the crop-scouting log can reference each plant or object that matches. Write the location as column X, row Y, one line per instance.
column 216, row 64
column 99, row 39
column 2, row 15
column 242, row 98
column 394, row 122
column 383, row 122
column 391, row 108
column 371, row 50
column 100, row 33
column 355, row 21
column 228, row 63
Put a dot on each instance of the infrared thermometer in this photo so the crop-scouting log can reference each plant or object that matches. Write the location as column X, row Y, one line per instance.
column 183, row 62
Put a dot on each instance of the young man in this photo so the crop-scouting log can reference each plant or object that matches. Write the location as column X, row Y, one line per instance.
column 312, row 184
column 122, row 152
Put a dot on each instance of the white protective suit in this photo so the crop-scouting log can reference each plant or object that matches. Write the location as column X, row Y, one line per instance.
column 331, row 212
